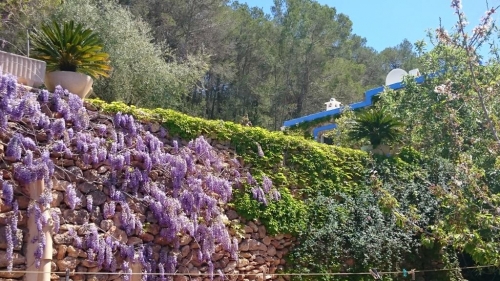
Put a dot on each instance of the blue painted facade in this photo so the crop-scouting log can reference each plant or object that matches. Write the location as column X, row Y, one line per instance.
column 362, row 104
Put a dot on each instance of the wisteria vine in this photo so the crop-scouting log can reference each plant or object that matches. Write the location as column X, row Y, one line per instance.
column 186, row 194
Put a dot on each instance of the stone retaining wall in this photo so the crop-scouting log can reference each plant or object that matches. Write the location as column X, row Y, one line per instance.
column 260, row 255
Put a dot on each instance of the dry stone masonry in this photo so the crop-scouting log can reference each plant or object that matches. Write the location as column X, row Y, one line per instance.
column 86, row 212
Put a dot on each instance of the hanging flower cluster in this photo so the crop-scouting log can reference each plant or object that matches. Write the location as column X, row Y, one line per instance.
column 185, row 196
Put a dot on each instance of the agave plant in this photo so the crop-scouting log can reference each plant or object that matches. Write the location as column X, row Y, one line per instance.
column 376, row 125
column 72, row 48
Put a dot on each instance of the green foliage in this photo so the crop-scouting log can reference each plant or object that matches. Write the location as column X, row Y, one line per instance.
column 348, row 211
column 305, row 128
column 376, row 225
column 228, row 61
column 340, row 135
column 141, row 74
column 401, row 56
column 472, row 224
column 410, row 155
column 70, row 48
column 463, row 178
column 452, row 120
column 288, row 215
column 298, row 168
column 376, row 125
column 439, row 194
column 350, row 234
column 17, row 18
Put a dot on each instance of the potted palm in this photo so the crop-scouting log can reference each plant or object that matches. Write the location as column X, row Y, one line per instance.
column 73, row 56
column 379, row 127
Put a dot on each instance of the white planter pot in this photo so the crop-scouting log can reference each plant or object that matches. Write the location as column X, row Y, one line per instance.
column 77, row 83
column 384, row 149
column 367, row 148
column 29, row 72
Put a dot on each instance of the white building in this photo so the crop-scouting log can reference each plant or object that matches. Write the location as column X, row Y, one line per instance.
column 332, row 104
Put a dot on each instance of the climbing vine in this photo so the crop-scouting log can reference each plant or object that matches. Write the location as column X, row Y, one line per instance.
column 183, row 187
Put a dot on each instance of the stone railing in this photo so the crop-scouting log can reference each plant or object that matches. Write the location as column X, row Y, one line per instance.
column 29, row 72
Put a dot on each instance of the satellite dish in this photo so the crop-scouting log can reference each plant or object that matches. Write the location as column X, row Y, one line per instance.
column 395, row 76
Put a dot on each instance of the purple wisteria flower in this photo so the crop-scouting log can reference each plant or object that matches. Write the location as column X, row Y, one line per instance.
column 182, row 188
column 71, row 197
column 17, row 111
column 234, row 249
column 250, row 179
column 109, row 209
column 126, row 271
column 59, row 146
column 14, row 221
column 267, row 184
column 56, row 222
column 14, row 149
column 90, row 201
column 57, row 127
column 29, row 143
column 161, row 271
column 10, row 247
column 75, row 102
column 275, row 195
column 28, row 159
column 101, row 129
column 7, row 193
column 259, row 195
column 43, row 96
column 163, row 132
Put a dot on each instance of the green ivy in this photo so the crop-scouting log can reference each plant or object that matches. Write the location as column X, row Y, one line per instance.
column 299, row 168
column 287, row 215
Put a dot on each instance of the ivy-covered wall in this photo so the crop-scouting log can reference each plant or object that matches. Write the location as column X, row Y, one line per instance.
column 298, row 167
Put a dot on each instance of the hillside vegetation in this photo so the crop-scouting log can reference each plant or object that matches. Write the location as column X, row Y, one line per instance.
column 218, row 59
column 194, row 69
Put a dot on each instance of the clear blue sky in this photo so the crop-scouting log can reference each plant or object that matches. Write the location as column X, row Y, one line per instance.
column 385, row 23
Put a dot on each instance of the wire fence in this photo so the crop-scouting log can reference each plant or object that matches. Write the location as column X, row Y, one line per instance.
column 249, row 274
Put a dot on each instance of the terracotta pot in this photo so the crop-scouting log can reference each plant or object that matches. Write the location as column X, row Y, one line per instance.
column 77, row 83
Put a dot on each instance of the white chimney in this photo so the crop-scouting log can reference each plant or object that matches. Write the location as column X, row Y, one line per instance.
column 332, row 104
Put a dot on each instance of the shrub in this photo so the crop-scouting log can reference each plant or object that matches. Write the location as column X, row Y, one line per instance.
column 141, row 75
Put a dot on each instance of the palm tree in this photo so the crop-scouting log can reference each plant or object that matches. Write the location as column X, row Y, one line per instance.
column 376, row 125
column 71, row 48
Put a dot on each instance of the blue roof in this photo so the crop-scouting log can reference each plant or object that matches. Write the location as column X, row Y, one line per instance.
column 364, row 103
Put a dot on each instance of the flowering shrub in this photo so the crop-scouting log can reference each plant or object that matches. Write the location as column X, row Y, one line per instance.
column 452, row 119
column 185, row 196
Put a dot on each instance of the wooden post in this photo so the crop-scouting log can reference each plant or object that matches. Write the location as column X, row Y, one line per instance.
column 136, row 267
column 36, row 189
